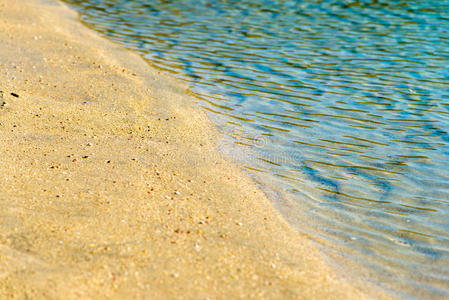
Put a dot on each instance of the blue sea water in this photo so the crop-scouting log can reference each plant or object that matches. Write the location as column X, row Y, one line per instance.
column 340, row 106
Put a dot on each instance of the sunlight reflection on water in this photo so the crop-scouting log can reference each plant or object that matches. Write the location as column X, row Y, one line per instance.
column 342, row 105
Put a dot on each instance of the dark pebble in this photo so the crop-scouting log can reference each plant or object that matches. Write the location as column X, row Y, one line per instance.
column 15, row 95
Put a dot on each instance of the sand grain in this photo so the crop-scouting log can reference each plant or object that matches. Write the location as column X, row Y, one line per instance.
column 111, row 185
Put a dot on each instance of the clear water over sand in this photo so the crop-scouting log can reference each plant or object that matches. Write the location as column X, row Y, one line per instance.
column 341, row 105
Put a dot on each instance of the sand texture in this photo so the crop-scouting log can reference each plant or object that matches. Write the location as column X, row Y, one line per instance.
column 111, row 186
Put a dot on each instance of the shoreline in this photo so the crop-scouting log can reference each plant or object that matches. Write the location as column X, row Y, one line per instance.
column 112, row 186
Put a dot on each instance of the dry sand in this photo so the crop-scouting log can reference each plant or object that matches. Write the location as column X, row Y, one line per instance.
column 111, row 186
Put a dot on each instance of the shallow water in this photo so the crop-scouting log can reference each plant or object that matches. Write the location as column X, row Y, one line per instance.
column 343, row 106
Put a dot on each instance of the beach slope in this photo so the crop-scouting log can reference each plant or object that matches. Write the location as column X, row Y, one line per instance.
column 111, row 186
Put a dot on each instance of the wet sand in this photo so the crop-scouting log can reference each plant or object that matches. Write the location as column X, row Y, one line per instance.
column 111, row 186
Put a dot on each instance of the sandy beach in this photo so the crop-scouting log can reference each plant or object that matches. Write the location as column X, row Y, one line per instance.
column 111, row 186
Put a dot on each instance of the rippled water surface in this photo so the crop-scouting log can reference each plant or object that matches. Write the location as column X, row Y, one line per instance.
column 341, row 105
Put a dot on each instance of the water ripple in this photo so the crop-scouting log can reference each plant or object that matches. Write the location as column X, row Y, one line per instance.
column 342, row 105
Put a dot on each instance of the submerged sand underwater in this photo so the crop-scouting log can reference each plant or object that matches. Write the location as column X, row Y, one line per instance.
column 111, row 185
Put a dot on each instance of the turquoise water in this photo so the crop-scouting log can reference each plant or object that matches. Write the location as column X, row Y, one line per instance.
column 340, row 106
